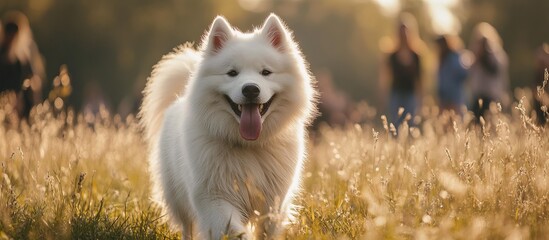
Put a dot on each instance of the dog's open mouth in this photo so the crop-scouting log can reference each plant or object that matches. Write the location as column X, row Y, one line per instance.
column 250, row 114
column 237, row 108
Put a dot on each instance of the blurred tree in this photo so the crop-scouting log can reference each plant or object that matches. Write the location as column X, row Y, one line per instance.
column 116, row 43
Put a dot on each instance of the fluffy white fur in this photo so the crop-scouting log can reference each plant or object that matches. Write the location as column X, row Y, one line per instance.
column 211, row 180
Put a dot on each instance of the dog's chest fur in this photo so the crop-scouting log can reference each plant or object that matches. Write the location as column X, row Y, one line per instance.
column 257, row 178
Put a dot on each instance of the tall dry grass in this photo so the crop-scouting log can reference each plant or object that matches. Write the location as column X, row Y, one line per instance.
column 85, row 177
column 69, row 176
column 449, row 180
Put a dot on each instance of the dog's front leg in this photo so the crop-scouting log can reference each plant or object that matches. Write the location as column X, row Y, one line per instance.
column 217, row 217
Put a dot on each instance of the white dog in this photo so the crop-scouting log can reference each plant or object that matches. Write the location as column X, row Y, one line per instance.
column 227, row 130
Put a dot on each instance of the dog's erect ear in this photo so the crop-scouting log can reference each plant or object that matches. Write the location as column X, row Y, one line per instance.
column 276, row 32
column 220, row 32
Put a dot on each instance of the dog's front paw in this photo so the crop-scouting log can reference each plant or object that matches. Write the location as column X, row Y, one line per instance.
column 240, row 236
column 237, row 235
column 238, row 231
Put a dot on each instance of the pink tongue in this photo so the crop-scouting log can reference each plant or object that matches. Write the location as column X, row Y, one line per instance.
column 250, row 122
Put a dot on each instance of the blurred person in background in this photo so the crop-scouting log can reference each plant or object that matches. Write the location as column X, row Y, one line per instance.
column 21, row 65
column 404, row 69
column 489, row 71
column 541, row 96
column 334, row 104
column 451, row 75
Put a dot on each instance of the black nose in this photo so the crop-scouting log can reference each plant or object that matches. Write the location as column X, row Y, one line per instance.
column 250, row 91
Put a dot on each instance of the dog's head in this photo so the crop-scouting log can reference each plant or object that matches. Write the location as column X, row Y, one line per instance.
column 250, row 86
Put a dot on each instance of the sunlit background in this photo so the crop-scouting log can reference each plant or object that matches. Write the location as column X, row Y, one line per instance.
column 85, row 176
column 108, row 47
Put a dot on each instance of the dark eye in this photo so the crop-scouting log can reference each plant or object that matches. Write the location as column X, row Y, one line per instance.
column 232, row 73
column 266, row 72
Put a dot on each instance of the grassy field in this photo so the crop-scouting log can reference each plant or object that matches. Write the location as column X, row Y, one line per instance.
column 80, row 177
